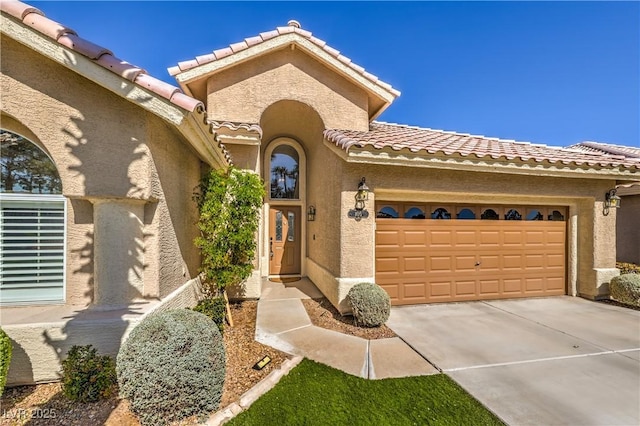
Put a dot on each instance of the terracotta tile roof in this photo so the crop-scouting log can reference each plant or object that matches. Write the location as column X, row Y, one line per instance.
column 607, row 149
column 398, row 137
column 293, row 27
column 250, row 127
column 67, row 37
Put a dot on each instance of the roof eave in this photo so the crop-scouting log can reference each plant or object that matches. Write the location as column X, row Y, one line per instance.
column 179, row 117
column 405, row 158
column 386, row 95
column 204, row 140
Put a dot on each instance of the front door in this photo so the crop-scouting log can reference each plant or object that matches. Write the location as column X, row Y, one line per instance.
column 284, row 240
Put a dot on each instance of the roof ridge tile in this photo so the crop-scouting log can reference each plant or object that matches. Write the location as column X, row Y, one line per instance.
column 123, row 68
column 237, row 47
column 69, row 39
column 85, row 47
column 285, row 30
column 46, row 26
column 280, row 31
column 18, row 9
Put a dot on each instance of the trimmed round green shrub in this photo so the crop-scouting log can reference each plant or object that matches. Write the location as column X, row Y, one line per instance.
column 172, row 367
column 626, row 289
column 5, row 358
column 215, row 308
column 87, row 376
column 370, row 304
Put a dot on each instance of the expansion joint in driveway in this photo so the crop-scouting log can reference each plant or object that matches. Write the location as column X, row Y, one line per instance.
column 529, row 361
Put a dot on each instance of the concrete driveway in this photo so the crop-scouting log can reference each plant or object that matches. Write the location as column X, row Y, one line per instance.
column 546, row 361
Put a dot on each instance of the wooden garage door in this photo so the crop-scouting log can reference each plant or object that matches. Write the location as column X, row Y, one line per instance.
column 425, row 261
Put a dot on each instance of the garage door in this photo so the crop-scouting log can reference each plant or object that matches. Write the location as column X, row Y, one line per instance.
column 427, row 254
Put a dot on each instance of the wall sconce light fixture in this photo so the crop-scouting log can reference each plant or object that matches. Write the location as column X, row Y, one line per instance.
column 361, row 196
column 611, row 200
column 311, row 213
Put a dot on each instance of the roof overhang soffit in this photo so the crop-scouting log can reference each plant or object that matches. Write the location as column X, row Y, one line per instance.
column 193, row 126
column 377, row 93
column 407, row 158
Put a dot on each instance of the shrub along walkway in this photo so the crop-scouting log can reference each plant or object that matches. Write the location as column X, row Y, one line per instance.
column 282, row 322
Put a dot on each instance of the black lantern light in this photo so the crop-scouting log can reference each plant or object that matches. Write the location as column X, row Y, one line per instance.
column 362, row 195
column 611, row 200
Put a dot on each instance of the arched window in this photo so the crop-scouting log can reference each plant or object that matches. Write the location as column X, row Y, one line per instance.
column 440, row 213
column 387, row 213
column 26, row 168
column 534, row 215
column 285, row 173
column 489, row 214
column 556, row 215
column 414, row 213
column 33, row 219
column 466, row 214
column 513, row 214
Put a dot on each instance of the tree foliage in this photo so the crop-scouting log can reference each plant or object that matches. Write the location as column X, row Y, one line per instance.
column 229, row 203
column 25, row 167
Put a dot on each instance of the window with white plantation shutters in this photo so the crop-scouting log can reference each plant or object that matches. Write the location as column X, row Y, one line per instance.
column 32, row 224
column 32, row 249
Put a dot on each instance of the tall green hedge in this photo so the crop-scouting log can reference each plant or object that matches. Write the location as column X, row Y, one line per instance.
column 229, row 203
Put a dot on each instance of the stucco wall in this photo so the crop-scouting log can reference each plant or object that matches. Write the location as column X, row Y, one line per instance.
column 105, row 149
column 41, row 341
column 243, row 92
column 628, row 229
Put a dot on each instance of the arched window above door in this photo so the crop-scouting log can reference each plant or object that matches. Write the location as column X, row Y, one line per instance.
column 284, row 172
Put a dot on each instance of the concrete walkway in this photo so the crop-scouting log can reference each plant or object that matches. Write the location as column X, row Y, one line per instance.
column 282, row 323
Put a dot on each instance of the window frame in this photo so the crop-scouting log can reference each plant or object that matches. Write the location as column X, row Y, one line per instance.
column 42, row 198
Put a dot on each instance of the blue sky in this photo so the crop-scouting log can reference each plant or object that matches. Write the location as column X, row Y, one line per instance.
column 546, row 72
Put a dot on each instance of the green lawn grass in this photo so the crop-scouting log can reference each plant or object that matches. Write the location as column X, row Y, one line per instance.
column 315, row 394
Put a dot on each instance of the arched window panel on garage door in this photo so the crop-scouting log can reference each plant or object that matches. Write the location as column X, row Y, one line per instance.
column 387, row 211
column 534, row 214
column 513, row 213
column 556, row 214
column 441, row 212
column 490, row 213
column 414, row 212
column 466, row 213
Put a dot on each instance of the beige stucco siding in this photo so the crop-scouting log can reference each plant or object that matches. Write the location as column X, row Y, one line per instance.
column 245, row 91
column 90, row 133
column 106, row 150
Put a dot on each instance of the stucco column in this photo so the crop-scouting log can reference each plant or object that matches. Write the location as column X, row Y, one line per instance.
column 357, row 245
column 604, row 252
column 118, row 251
